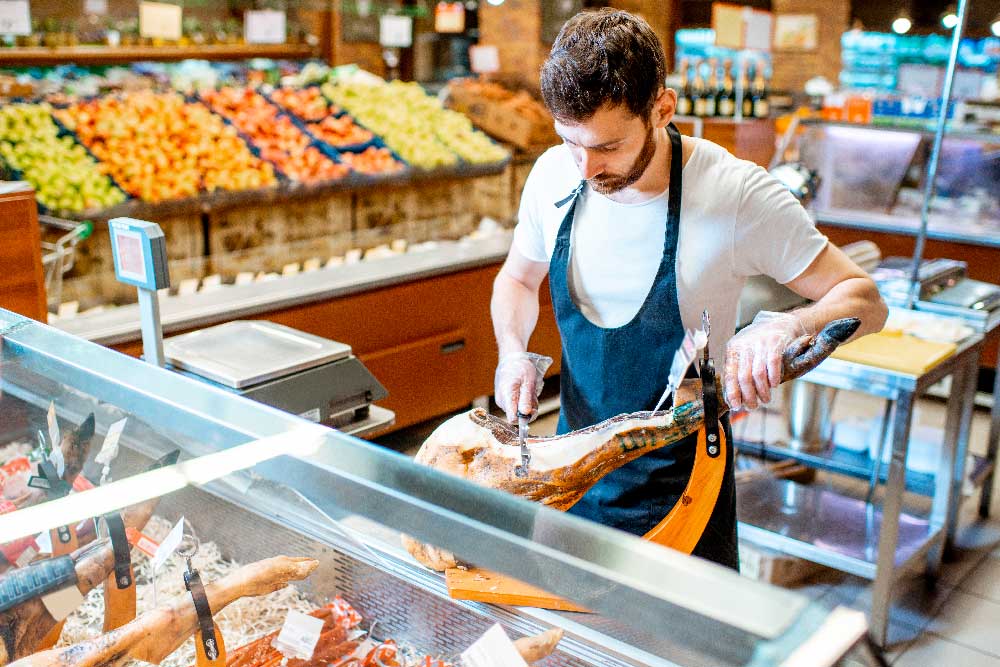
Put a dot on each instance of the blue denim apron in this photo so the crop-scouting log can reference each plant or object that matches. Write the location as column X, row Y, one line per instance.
column 606, row 372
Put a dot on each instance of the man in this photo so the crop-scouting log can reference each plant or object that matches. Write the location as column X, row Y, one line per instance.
column 639, row 231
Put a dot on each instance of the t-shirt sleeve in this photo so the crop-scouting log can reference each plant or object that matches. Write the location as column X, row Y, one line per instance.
column 773, row 236
column 528, row 236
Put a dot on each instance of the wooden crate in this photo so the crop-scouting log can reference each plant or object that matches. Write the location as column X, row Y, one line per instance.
column 379, row 207
column 493, row 196
column 519, row 176
column 773, row 567
column 436, row 199
column 280, row 224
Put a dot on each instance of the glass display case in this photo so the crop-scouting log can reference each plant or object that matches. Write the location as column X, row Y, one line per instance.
column 873, row 177
column 254, row 483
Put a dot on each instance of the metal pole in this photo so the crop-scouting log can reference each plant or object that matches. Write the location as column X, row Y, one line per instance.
column 932, row 165
column 152, row 331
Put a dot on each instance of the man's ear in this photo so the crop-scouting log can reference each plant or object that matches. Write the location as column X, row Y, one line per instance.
column 664, row 107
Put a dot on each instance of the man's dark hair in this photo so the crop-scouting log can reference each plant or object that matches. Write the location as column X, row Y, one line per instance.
column 604, row 56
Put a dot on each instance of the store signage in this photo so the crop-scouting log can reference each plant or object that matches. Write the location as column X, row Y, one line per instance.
column 15, row 17
column 266, row 26
column 449, row 17
column 95, row 7
column 160, row 20
column 484, row 59
column 395, row 31
column 739, row 27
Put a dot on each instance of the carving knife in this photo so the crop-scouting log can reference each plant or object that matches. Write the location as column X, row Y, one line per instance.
column 522, row 437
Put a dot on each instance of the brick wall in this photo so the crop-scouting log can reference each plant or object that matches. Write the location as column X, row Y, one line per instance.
column 793, row 68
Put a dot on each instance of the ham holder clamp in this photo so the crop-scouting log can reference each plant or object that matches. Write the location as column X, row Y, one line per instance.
column 484, row 449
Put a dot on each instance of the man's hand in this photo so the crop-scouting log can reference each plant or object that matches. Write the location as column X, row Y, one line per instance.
column 518, row 383
column 753, row 358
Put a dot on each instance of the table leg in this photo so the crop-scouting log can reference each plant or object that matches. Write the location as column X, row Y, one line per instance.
column 966, row 403
column 951, row 465
column 992, row 444
column 891, row 508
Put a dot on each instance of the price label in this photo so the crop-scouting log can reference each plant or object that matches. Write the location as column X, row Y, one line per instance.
column 81, row 484
column 484, row 59
column 449, row 17
column 395, row 31
column 265, row 26
column 15, row 17
column 95, row 7
column 159, row 19
column 109, row 450
column 299, row 635
column 169, row 544
column 493, row 649
column 142, row 542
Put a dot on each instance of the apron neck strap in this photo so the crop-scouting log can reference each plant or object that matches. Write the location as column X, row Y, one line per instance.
column 572, row 195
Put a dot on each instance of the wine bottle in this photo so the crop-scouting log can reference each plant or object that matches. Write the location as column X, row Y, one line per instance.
column 747, row 101
column 712, row 88
column 698, row 93
column 726, row 104
column 684, row 94
column 761, row 103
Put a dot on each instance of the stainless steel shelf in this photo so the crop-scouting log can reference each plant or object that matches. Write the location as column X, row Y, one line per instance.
column 859, row 465
column 826, row 527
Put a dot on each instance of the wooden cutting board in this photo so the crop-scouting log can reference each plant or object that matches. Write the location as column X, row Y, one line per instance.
column 486, row 586
column 895, row 351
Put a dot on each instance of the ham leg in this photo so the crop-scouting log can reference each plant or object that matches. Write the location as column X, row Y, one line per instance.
column 75, row 446
column 22, row 627
column 484, row 449
column 154, row 635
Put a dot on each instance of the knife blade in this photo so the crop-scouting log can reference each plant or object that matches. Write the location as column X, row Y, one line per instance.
column 522, row 437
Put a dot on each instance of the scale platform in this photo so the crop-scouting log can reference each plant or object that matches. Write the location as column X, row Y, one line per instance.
column 310, row 376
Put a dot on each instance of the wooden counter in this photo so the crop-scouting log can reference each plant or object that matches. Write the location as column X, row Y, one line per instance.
column 22, row 281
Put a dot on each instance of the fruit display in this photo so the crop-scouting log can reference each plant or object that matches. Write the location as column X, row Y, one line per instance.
column 340, row 131
column 157, row 146
column 306, row 103
column 511, row 116
column 414, row 124
column 64, row 176
column 280, row 141
column 372, row 160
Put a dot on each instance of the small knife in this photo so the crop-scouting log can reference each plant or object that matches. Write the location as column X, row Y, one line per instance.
column 522, row 437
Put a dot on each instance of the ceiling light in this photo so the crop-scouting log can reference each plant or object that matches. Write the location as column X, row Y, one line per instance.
column 995, row 25
column 495, row 3
column 902, row 24
column 949, row 19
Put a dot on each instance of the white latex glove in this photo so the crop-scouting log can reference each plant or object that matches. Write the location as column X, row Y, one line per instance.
column 518, row 383
column 753, row 358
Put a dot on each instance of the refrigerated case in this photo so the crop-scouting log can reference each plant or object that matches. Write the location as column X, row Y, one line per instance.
column 259, row 482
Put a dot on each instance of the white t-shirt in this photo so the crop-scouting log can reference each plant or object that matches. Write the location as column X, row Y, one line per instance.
column 736, row 221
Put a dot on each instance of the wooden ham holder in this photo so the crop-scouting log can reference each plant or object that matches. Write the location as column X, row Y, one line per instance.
column 679, row 530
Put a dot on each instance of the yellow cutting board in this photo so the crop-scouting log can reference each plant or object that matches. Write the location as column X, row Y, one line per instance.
column 896, row 351
column 484, row 586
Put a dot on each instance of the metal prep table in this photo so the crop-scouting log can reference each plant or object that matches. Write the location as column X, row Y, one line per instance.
column 854, row 536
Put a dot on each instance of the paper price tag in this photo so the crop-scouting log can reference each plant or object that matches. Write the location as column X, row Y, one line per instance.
column 395, row 31
column 168, row 545
column 81, row 484
column 109, row 450
column 142, row 542
column 15, row 17
column 44, row 542
column 96, row 7
column 299, row 635
column 266, row 26
column 493, row 649
column 63, row 602
column 484, row 59
column 159, row 19
column 55, row 438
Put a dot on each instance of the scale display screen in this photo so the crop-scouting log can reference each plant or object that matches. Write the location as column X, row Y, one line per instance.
column 140, row 253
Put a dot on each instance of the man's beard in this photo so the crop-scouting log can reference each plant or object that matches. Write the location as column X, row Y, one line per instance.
column 607, row 184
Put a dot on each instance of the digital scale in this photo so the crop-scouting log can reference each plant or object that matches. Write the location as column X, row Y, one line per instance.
column 942, row 281
column 310, row 376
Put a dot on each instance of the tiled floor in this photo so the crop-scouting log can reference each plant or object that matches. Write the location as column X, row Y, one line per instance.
column 955, row 623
